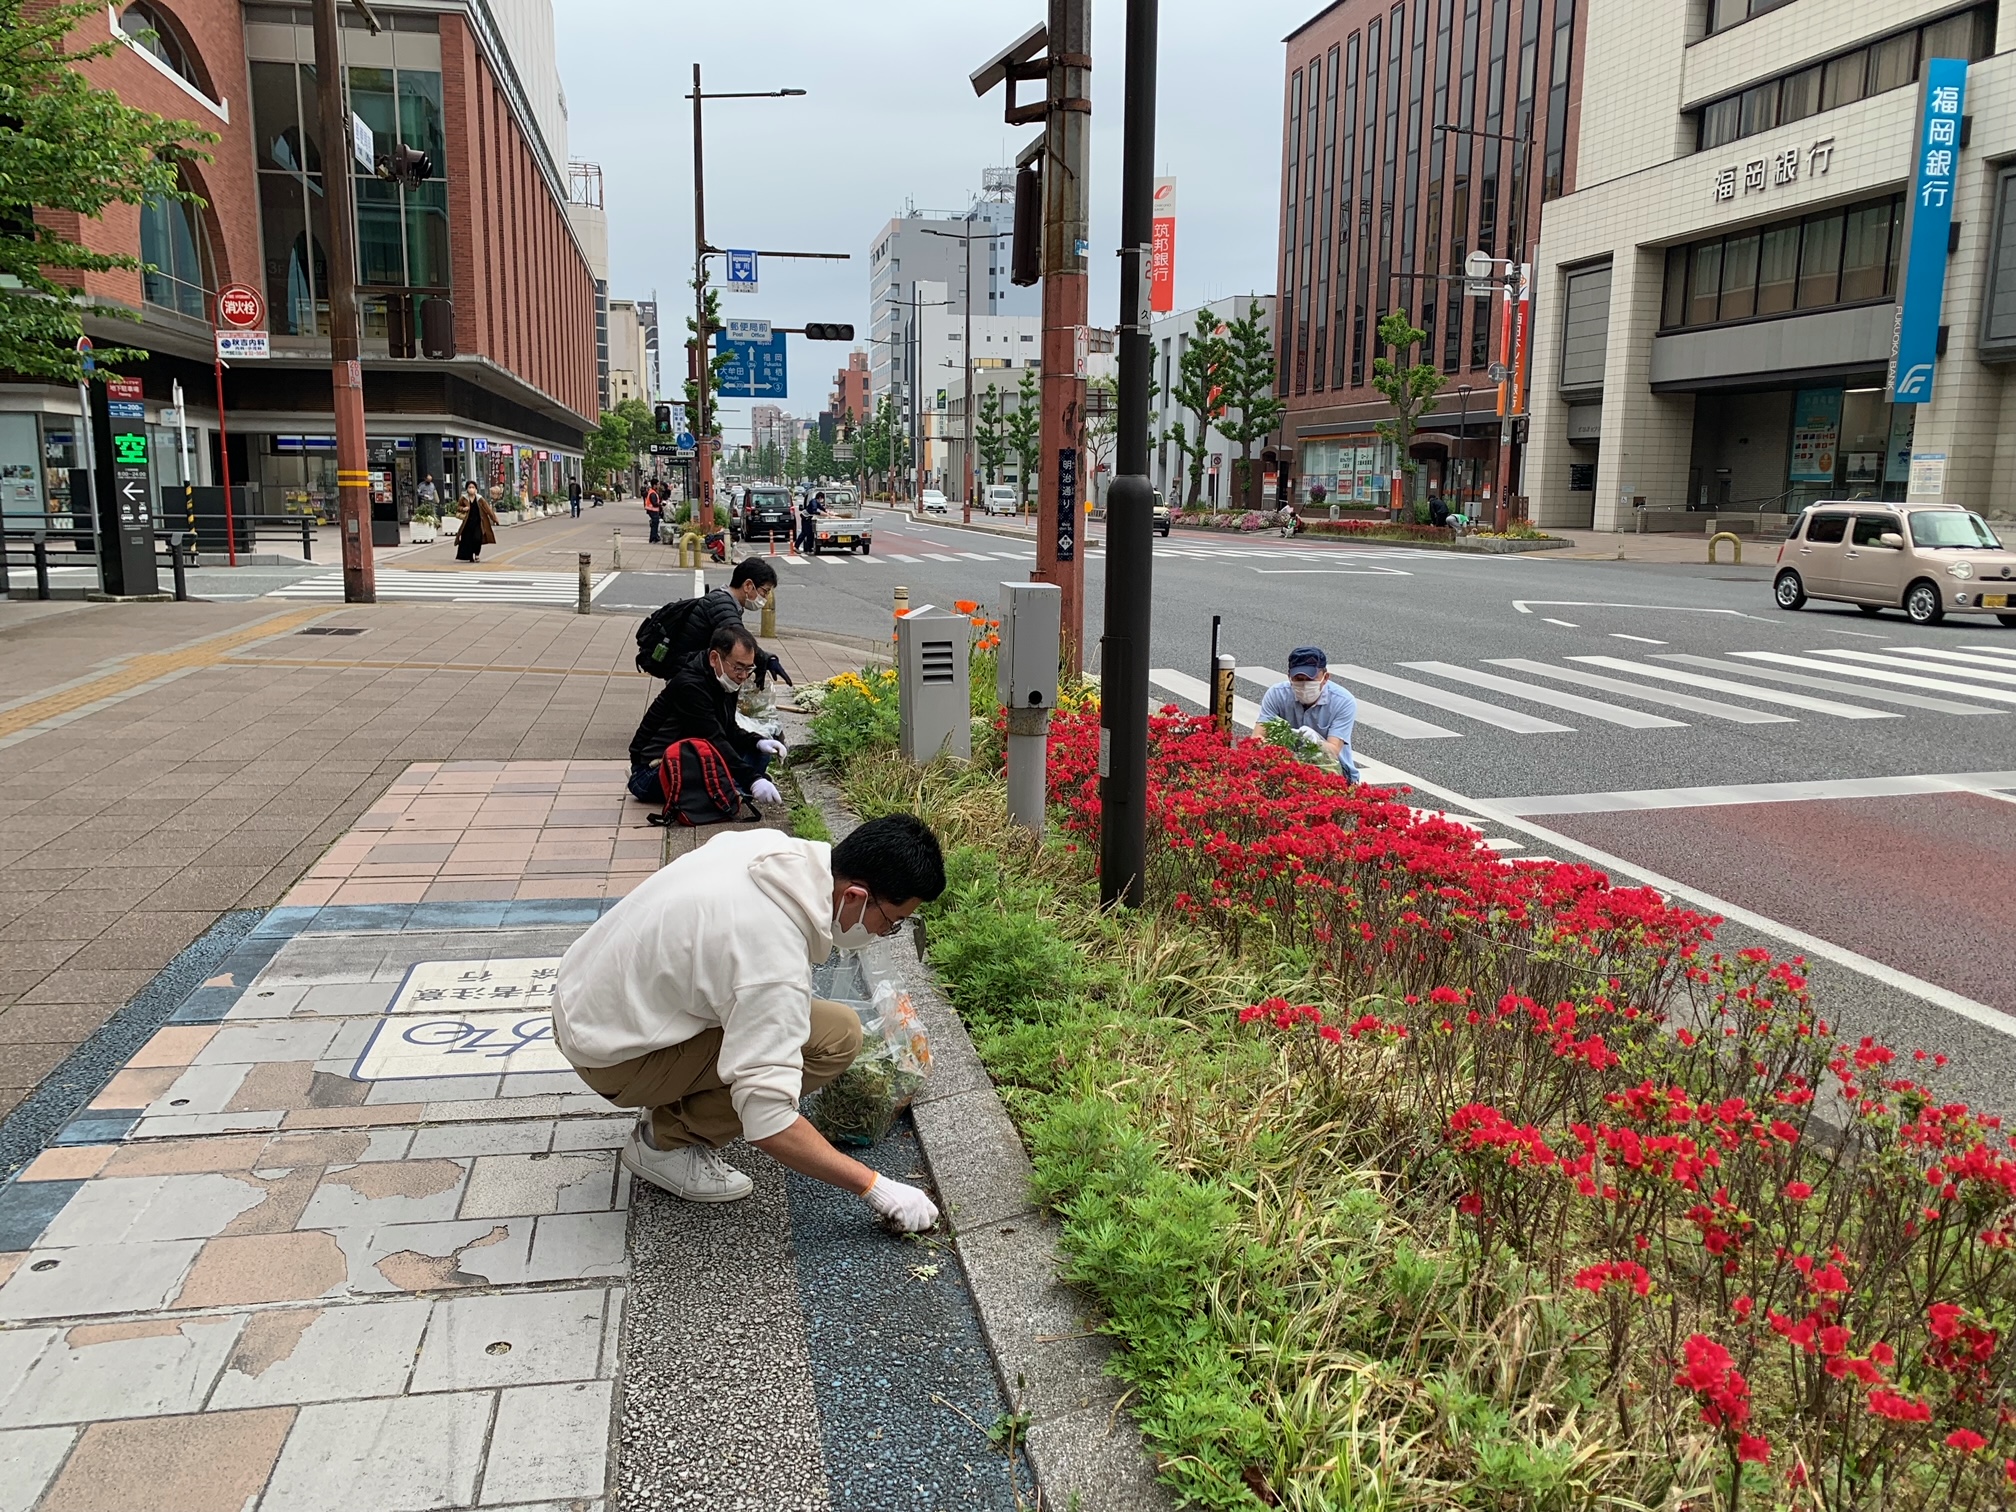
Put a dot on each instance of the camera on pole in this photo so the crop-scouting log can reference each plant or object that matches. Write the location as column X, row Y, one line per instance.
column 817, row 332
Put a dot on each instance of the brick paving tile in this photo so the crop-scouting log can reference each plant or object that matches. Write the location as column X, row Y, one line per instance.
column 201, row 1462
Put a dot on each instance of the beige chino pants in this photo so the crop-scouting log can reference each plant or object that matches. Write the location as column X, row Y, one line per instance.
column 682, row 1085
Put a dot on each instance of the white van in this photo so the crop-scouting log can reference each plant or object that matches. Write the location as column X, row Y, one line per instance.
column 1000, row 499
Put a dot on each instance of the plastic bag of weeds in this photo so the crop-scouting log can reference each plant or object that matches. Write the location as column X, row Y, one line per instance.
column 859, row 1107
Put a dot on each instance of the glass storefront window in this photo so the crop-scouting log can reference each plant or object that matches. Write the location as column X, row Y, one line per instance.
column 1832, row 258
column 176, row 249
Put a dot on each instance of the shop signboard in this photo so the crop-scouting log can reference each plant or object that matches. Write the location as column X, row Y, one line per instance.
column 1816, row 435
column 1914, row 344
column 1067, row 503
column 1903, row 422
column 1162, row 249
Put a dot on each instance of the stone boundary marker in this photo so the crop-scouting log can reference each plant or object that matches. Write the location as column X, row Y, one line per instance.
column 1041, row 1330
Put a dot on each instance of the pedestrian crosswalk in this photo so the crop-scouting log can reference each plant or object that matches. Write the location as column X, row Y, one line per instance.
column 529, row 588
column 1653, row 693
column 1323, row 559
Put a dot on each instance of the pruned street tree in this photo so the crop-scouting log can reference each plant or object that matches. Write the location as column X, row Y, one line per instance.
column 990, row 434
column 1102, row 428
column 1025, row 431
column 1410, row 387
column 1198, row 394
column 1252, row 409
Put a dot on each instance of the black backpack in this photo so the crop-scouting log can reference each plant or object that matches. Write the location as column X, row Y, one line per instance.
column 659, row 637
column 698, row 786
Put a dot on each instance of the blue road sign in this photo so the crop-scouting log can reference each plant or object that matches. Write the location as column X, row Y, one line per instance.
column 741, row 272
column 755, row 370
column 1914, row 347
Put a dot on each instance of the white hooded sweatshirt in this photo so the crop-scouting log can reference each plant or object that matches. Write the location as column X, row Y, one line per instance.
column 725, row 937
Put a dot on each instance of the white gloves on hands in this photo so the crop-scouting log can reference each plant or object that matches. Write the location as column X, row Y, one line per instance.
column 904, row 1207
column 774, row 749
column 763, row 790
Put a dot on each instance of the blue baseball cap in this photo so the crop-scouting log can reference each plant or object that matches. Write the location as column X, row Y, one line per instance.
column 1307, row 660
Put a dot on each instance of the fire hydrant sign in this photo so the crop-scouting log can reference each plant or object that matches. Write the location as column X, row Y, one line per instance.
column 467, row 1018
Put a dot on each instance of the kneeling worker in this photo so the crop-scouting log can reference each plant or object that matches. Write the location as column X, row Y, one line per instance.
column 1310, row 701
column 692, row 998
column 698, row 703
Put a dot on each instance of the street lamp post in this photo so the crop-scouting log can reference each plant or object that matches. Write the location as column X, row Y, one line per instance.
column 967, row 496
column 1462, row 440
column 703, row 374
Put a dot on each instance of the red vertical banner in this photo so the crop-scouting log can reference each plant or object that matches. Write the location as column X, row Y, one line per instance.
column 1162, row 249
column 1522, row 325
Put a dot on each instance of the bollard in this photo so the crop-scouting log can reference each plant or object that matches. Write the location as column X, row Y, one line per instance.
column 616, row 550
column 691, row 541
column 769, row 623
column 175, row 562
column 1226, row 675
column 902, row 605
column 307, row 540
column 41, row 567
column 582, row 602
column 1735, row 546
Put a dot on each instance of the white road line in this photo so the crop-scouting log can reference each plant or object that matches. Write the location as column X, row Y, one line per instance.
column 1713, row 708
column 1811, row 945
column 1966, row 659
column 1574, row 703
column 1454, row 703
column 1378, row 717
column 976, row 556
column 830, row 561
column 899, row 559
column 1183, row 685
column 1877, row 674
column 1013, row 556
column 1912, row 664
column 1564, row 624
column 1642, row 639
column 1527, row 606
column 2000, row 651
column 937, row 556
column 1755, row 792
column 1741, row 690
column 1828, row 685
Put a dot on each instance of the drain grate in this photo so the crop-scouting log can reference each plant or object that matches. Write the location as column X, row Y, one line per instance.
column 332, row 630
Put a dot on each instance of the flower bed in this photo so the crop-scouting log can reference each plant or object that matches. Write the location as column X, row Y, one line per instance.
column 1409, row 1176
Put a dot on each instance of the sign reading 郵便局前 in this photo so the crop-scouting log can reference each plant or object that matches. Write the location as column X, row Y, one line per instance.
column 1914, row 346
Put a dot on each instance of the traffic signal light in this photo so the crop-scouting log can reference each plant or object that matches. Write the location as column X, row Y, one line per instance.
column 816, row 332
column 405, row 165
column 662, row 414
column 1025, row 253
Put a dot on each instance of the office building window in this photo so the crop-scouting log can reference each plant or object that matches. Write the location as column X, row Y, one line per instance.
column 176, row 249
column 1723, row 14
column 1876, row 69
column 1830, row 258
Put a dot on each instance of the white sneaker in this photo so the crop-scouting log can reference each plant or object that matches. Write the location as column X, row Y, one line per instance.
column 693, row 1172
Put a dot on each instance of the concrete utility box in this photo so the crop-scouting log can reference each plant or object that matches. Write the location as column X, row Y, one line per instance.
column 1031, row 635
column 935, row 708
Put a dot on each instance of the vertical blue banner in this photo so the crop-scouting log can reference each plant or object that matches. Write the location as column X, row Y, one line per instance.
column 1914, row 349
column 1067, row 503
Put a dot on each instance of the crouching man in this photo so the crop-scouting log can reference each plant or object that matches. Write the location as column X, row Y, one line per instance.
column 692, row 999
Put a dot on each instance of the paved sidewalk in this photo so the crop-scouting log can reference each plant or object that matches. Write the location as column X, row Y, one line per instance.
column 347, row 1235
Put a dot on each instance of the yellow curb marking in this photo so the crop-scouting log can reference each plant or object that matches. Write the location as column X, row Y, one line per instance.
column 141, row 670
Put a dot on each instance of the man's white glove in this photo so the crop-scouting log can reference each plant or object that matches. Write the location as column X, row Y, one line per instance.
column 774, row 749
column 763, row 790
column 904, row 1207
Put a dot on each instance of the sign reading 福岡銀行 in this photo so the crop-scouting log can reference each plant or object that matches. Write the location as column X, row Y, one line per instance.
column 754, row 370
column 1914, row 346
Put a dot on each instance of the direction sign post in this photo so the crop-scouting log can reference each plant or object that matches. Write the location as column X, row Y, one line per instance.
column 741, row 272
column 126, row 565
column 754, row 370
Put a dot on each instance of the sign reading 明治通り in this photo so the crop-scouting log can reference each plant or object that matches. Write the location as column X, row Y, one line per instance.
column 1914, row 347
column 467, row 1018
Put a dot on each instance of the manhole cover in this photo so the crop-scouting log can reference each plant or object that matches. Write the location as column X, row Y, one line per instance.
column 332, row 630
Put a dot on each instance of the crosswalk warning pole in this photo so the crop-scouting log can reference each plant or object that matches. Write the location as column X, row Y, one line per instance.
column 769, row 621
column 581, row 602
column 1225, row 676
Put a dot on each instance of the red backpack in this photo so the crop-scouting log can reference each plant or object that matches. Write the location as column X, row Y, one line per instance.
column 698, row 786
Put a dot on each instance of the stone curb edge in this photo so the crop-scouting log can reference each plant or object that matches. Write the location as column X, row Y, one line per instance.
column 1040, row 1330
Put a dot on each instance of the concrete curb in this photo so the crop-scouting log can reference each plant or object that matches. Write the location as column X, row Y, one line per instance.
column 1041, row 1330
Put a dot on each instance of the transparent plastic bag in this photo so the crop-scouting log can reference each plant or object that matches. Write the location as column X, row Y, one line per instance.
column 859, row 1107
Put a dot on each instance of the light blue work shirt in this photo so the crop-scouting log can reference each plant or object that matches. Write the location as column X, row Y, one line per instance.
column 1332, row 717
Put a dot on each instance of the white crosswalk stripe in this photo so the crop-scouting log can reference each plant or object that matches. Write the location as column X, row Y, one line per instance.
column 1454, row 703
column 1574, row 703
column 1915, row 664
column 536, row 588
column 1878, row 674
column 1744, row 690
column 899, row 559
column 1965, row 658
column 1713, row 708
column 2007, row 653
column 1959, row 664
column 1378, row 717
column 1828, row 685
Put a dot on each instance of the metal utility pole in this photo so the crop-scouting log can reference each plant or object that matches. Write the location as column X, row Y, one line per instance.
column 701, row 364
column 1130, row 502
column 353, row 477
column 1060, row 555
column 972, row 472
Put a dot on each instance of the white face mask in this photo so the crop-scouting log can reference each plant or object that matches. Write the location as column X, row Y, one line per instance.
column 855, row 936
column 1308, row 692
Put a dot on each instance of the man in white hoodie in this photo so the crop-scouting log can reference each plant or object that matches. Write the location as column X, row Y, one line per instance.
column 692, row 998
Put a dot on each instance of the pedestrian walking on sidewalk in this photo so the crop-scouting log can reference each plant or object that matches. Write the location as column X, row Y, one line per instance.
column 692, row 999
column 426, row 496
column 479, row 525
column 574, row 498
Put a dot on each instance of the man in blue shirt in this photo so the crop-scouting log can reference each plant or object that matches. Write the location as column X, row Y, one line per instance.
column 1308, row 700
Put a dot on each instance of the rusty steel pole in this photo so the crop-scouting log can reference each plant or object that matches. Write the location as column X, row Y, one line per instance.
column 353, row 477
column 1062, row 477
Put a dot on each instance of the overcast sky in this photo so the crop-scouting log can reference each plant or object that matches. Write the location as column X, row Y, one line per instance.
column 889, row 118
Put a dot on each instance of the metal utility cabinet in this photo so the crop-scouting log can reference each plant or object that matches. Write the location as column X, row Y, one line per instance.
column 935, row 708
column 1031, row 640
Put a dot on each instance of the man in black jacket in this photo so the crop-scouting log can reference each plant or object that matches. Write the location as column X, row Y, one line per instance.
column 753, row 581
column 699, row 704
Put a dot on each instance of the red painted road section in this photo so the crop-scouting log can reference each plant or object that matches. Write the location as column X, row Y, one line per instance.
column 1919, row 883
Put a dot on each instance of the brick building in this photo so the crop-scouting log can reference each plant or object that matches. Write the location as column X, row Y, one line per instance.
column 1379, row 211
column 849, row 403
column 471, row 84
